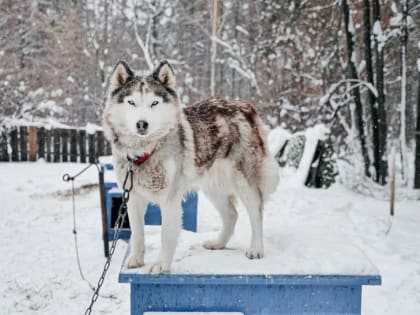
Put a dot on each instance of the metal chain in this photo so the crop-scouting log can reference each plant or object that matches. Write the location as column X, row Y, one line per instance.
column 122, row 214
column 68, row 178
column 76, row 246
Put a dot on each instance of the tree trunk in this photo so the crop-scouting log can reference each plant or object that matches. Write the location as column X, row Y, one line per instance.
column 352, row 74
column 403, row 105
column 417, row 156
column 382, row 124
column 215, row 13
column 155, row 22
column 377, row 157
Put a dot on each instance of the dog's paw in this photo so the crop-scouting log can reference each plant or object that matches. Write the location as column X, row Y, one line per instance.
column 213, row 244
column 158, row 268
column 255, row 254
column 136, row 261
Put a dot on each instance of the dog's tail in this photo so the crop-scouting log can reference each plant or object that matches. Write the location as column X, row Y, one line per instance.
column 269, row 176
column 269, row 169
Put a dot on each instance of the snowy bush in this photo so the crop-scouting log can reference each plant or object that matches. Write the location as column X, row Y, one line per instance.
column 306, row 156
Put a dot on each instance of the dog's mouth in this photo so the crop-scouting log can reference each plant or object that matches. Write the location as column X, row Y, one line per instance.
column 142, row 133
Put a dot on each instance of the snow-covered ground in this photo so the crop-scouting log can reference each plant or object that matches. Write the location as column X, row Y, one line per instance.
column 38, row 271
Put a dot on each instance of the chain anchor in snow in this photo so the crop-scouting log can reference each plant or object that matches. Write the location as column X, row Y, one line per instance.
column 122, row 214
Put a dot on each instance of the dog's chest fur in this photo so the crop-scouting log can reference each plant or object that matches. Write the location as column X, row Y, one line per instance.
column 151, row 176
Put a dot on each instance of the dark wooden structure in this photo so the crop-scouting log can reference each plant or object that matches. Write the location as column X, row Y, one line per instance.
column 30, row 143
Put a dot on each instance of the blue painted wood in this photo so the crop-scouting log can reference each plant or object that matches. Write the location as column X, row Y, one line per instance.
column 199, row 279
column 152, row 216
column 249, row 294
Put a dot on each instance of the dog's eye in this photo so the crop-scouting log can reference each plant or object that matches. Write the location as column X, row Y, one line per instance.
column 131, row 103
column 154, row 103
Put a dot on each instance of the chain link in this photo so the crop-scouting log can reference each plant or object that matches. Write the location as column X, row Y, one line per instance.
column 122, row 214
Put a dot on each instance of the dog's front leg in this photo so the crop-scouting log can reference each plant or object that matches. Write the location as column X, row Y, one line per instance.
column 136, row 210
column 171, row 227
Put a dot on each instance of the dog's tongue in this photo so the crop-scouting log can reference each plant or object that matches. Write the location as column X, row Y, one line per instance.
column 141, row 159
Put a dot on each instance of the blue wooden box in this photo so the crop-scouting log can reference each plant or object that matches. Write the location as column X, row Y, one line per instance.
column 284, row 282
column 152, row 217
column 248, row 294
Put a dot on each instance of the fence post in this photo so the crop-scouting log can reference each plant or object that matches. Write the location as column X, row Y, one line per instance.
column 14, row 144
column 57, row 142
column 73, row 145
column 108, row 150
column 64, row 145
column 100, row 144
column 3, row 145
column 91, row 149
column 82, row 145
column 23, row 130
column 48, row 137
column 41, row 143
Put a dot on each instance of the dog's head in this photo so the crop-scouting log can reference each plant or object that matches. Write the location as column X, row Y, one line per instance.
column 141, row 105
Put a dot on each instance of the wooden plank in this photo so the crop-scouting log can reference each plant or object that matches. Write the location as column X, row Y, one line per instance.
column 57, row 145
column 64, row 145
column 41, row 143
column 108, row 149
column 73, row 145
column 33, row 133
column 4, row 152
column 14, row 144
column 103, row 212
column 100, row 144
column 23, row 133
column 91, row 148
column 48, row 140
column 82, row 145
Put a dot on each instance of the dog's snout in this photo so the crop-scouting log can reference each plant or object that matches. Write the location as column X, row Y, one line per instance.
column 142, row 126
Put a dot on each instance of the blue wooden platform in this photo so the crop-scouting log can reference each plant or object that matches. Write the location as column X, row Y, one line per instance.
column 248, row 294
column 152, row 217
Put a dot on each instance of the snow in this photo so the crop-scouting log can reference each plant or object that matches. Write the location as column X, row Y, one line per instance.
column 312, row 136
column 48, row 123
column 277, row 138
column 380, row 37
column 308, row 252
column 92, row 128
column 351, row 25
column 242, row 30
column 304, row 228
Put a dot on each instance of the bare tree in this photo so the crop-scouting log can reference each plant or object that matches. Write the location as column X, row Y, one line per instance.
column 376, row 134
column 403, row 103
column 352, row 74
column 215, row 17
column 381, row 123
column 417, row 137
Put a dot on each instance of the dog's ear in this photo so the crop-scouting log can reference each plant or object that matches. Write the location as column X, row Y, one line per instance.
column 120, row 75
column 165, row 74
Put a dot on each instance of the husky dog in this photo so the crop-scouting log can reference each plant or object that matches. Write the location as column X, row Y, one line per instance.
column 216, row 145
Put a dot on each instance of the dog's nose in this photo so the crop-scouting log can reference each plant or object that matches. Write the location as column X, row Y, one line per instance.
column 142, row 126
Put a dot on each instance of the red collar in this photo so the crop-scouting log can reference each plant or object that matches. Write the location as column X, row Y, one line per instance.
column 139, row 160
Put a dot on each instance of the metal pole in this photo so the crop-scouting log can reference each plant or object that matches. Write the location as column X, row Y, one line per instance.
column 103, row 212
column 392, row 181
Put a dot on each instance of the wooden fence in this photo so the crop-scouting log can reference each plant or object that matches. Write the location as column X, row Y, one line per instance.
column 29, row 143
